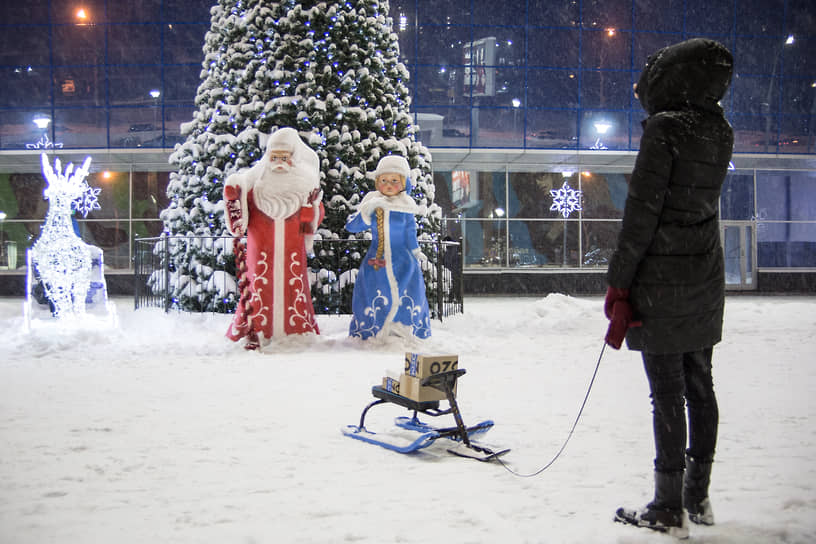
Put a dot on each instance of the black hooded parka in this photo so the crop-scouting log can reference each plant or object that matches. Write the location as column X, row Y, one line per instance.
column 669, row 254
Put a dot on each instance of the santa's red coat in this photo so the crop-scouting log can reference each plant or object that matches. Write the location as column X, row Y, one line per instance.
column 280, row 300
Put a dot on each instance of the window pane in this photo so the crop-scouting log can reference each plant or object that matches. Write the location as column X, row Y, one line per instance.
column 26, row 87
column 607, row 89
column 524, row 237
column 544, row 243
column 796, row 134
column 135, row 127
column 437, row 85
column 737, row 197
column 183, row 43
column 23, row 47
column 79, row 44
column 114, row 194
column 664, row 15
column 111, row 237
column 173, row 118
column 542, row 50
column 754, row 94
column 450, row 11
column 549, row 13
column 442, row 45
column 552, row 88
column 149, row 195
column 134, row 44
column 187, row 10
column 485, row 242
column 131, row 12
column 509, row 48
column 147, row 229
column 17, row 128
column 783, row 245
column 497, row 127
column 647, row 43
column 132, row 85
column 787, row 196
column 79, row 85
column 21, row 197
column 531, row 193
column 764, row 17
column 759, row 55
column 604, row 195
column 473, row 194
column 599, row 239
column 704, row 16
column 604, row 130
column 86, row 127
column 754, row 133
column 180, row 84
column 552, row 129
column 600, row 49
column 31, row 12
column 490, row 12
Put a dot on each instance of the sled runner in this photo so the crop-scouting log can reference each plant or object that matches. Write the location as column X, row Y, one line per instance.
column 403, row 442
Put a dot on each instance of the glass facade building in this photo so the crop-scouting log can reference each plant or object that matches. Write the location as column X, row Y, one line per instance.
column 521, row 103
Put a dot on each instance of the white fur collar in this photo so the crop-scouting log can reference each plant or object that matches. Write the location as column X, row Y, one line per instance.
column 375, row 199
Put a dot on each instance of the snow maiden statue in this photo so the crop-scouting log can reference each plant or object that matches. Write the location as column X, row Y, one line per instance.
column 277, row 204
column 389, row 293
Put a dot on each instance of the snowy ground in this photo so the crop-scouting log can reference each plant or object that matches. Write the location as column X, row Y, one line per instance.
column 162, row 431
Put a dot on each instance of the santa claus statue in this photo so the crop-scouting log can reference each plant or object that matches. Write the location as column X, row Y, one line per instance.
column 277, row 205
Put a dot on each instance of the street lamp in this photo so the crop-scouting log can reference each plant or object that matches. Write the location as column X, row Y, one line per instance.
column 41, row 121
column 601, row 128
column 516, row 105
column 155, row 93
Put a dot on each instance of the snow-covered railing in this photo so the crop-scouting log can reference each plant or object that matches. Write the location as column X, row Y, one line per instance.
column 208, row 284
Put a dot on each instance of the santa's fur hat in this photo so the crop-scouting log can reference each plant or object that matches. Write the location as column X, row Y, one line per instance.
column 283, row 139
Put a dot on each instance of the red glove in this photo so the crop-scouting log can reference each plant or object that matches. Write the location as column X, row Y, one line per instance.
column 619, row 312
column 232, row 192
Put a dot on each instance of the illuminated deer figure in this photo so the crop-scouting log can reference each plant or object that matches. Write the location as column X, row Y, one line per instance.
column 60, row 257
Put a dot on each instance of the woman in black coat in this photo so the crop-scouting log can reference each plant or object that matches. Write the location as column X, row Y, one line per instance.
column 666, row 278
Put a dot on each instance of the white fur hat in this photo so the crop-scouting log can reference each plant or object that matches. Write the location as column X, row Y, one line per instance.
column 392, row 164
column 283, row 139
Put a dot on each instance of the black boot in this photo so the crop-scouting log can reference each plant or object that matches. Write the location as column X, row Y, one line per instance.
column 695, row 491
column 665, row 513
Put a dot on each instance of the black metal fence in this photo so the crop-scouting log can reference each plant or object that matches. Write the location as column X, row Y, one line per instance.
column 332, row 271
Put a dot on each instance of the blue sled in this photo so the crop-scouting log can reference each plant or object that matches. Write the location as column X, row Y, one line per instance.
column 427, row 436
column 422, row 441
column 414, row 424
column 407, row 442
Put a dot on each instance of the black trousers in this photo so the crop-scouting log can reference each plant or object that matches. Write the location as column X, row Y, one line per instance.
column 677, row 380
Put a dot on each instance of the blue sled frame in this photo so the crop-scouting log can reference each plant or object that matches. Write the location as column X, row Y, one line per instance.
column 446, row 382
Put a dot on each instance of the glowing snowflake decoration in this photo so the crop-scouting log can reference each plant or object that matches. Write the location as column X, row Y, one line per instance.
column 565, row 200
column 88, row 202
column 44, row 143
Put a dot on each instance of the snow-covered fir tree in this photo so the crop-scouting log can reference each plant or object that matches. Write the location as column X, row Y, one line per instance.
column 331, row 70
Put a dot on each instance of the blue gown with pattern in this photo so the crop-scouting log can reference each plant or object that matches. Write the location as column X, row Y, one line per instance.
column 389, row 288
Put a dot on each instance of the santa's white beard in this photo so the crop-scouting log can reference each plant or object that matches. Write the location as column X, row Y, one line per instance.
column 280, row 192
